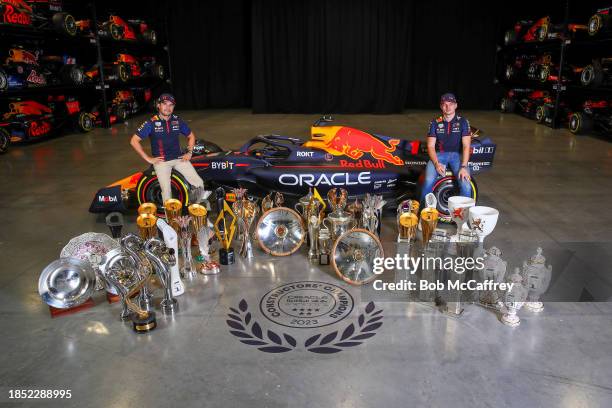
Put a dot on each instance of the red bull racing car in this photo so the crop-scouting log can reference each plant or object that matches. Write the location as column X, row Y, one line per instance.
column 335, row 156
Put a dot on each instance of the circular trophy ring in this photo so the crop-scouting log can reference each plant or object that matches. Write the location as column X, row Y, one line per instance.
column 353, row 256
column 66, row 283
column 280, row 231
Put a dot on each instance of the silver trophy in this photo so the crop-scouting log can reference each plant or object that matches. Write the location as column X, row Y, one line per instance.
column 314, row 224
column 372, row 211
column 163, row 258
column 246, row 211
column 514, row 299
column 280, row 231
column 324, row 246
column 353, row 256
column 536, row 276
column 494, row 270
column 183, row 226
column 120, row 270
column 66, row 283
column 133, row 245
column 203, row 234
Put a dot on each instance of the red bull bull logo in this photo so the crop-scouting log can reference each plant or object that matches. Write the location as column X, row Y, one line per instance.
column 355, row 143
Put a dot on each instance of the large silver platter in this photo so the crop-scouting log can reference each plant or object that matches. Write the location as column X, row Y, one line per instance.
column 353, row 256
column 91, row 247
column 280, row 231
column 66, row 282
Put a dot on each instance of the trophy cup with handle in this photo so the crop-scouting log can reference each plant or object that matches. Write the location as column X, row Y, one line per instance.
column 203, row 233
column 173, row 209
column 162, row 258
column 248, row 212
column 514, row 299
column 536, row 276
column 429, row 221
column 458, row 206
column 224, row 230
column 183, row 225
column 147, row 226
column 134, row 247
column 171, row 241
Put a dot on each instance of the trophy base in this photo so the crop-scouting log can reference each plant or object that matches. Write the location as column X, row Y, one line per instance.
column 535, row 307
column 324, row 259
column 169, row 306
column 56, row 312
column 511, row 320
column 227, row 256
column 144, row 325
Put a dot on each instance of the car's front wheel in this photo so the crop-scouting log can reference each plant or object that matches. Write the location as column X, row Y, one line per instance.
column 148, row 190
column 5, row 140
column 445, row 188
column 580, row 123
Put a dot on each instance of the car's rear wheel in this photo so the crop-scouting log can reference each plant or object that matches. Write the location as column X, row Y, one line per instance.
column 544, row 73
column 3, row 80
column 507, row 105
column 509, row 37
column 158, row 71
column 597, row 22
column 64, row 23
column 540, row 114
column 150, row 36
column 114, row 31
column 73, row 74
column 509, row 72
column 149, row 191
column 121, row 112
column 5, row 140
column 122, row 71
column 580, row 123
column 543, row 32
column 445, row 188
column 85, row 122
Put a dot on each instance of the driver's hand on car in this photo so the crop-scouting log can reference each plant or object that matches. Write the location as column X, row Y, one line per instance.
column 155, row 160
column 186, row 156
column 441, row 169
column 464, row 174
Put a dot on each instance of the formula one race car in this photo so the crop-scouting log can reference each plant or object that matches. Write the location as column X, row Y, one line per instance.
column 601, row 21
column 595, row 115
column 23, row 68
column 126, row 67
column 527, row 102
column 597, row 73
column 119, row 29
column 125, row 103
column 335, row 156
column 31, row 120
column 540, row 30
column 39, row 14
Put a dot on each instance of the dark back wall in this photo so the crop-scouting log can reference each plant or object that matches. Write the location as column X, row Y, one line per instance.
column 326, row 56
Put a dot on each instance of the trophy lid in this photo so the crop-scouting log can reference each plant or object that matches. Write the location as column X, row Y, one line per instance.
column 66, row 282
column 147, row 208
column 146, row 220
column 197, row 210
column 173, row 204
column 408, row 219
column 340, row 216
column 429, row 214
column 538, row 258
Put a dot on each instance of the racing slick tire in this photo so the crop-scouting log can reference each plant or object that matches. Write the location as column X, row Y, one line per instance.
column 544, row 73
column 3, row 80
column 159, row 71
column 598, row 23
column 509, row 37
column 507, row 105
column 580, row 123
column 64, row 23
column 148, row 190
column 447, row 187
column 122, row 112
column 114, row 31
column 150, row 36
column 541, row 113
column 5, row 141
column 73, row 74
column 509, row 72
column 592, row 75
column 85, row 122
column 122, row 71
column 543, row 32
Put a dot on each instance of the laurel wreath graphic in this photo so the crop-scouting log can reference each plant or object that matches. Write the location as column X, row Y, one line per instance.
column 250, row 332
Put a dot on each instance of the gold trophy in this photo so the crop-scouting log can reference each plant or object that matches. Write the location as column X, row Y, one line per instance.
column 267, row 203
column 356, row 209
column 147, row 208
column 226, row 234
column 248, row 212
column 173, row 208
column 407, row 225
column 147, row 226
column 429, row 221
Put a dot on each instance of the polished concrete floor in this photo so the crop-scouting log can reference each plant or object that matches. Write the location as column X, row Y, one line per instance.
column 552, row 189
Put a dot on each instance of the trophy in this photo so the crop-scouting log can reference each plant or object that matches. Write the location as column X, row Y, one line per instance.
column 114, row 221
column 280, row 231
column 147, row 208
column 279, row 199
column 67, row 282
column 314, row 216
column 536, row 276
column 458, row 206
column 147, row 226
column 356, row 210
column 267, row 203
column 302, row 205
column 183, row 226
column 225, row 234
column 133, row 246
column 247, row 215
column 162, row 259
column 482, row 220
column 338, row 221
column 514, row 300
column 494, row 270
column 171, row 240
column 353, row 256
column 429, row 221
column 372, row 210
column 123, row 272
column 324, row 246
column 239, row 193
column 203, row 233
column 173, row 209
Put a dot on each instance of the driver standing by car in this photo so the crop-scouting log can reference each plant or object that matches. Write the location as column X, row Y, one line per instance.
column 163, row 131
column 448, row 145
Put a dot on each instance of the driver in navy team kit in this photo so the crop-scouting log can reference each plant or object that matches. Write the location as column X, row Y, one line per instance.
column 448, row 144
column 163, row 131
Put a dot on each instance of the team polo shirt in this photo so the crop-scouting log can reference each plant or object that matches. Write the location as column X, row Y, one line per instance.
column 164, row 135
column 449, row 134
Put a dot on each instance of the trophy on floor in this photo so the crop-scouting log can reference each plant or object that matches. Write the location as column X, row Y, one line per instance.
column 338, row 221
column 429, row 221
column 536, row 276
column 267, row 203
column 170, row 237
column 203, row 233
column 114, row 221
column 147, row 226
column 183, row 226
column 302, row 205
column 494, row 270
column 458, row 206
column 225, row 227
column 173, row 209
column 372, row 211
column 482, row 220
column 325, row 244
column 147, row 208
column 162, row 258
column 134, row 247
column 356, row 210
column 407, row 225
column 514, row 299
column 314, row 215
